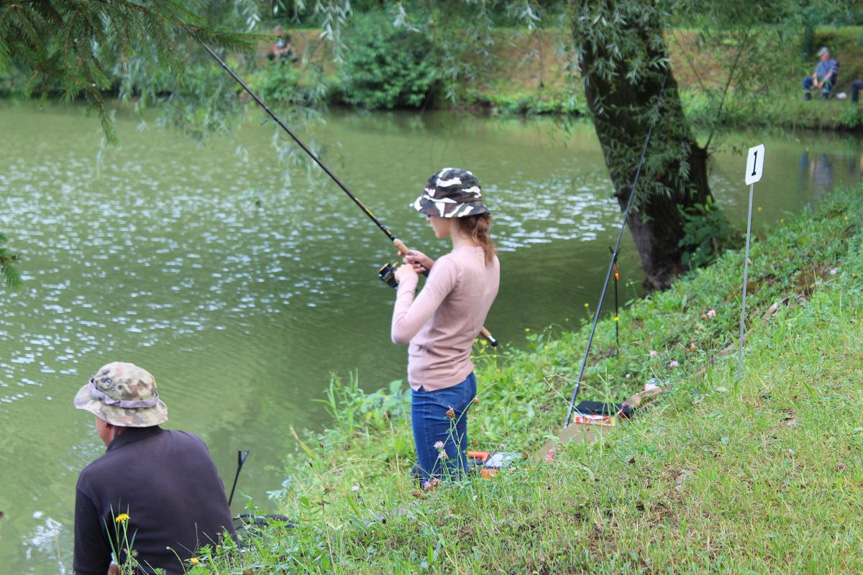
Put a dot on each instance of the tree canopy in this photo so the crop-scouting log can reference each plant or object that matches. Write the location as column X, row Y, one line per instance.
column 75, row 48
column 403, row 50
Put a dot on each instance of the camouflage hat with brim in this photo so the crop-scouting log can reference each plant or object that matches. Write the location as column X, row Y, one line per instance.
column 124, row 395
column 451, row 193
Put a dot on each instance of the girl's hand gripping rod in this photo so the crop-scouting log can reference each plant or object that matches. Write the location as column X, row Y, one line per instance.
column 397, row 242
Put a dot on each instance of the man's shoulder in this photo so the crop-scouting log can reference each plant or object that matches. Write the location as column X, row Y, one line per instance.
column 95, row 473
column 185, row 436
column 134, row 453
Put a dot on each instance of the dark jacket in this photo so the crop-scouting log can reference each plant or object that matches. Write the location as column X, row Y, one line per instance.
column 167, row 484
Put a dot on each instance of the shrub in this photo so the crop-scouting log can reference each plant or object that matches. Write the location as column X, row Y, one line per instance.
column 707, row 234
column 387, row 67
column 277, row 83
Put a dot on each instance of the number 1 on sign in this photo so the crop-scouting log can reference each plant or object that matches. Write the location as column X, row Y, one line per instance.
column 755, row 164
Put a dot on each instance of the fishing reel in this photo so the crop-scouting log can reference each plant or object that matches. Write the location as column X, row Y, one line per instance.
column 387, row 273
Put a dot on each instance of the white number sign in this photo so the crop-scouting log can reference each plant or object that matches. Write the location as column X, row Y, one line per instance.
column 755, row 164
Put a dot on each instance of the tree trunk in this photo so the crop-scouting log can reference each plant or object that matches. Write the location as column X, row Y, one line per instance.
column 674, row 176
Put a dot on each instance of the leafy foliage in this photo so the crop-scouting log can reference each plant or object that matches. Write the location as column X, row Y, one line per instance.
column 79, row 49
column 278, row 84
column 707, row 234
column 388, row 67
column 11, row 276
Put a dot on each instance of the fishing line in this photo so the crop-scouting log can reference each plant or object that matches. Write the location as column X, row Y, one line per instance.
column 400, row 245
column 615, row 252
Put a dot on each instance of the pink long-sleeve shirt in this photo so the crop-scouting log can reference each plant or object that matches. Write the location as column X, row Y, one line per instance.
column 443, row 320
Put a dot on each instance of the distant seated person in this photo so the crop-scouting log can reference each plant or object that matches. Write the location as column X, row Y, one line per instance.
column 824, row 77
column 856, row 87
column 281, row 48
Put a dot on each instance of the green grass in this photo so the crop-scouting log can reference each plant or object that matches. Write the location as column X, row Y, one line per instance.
column 525, row 75
column 761, row 475
column 787, row 110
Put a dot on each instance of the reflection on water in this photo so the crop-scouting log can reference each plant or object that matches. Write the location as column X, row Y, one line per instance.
column 816, row 171
column 243, row 294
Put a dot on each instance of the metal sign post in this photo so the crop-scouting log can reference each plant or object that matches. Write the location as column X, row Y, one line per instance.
column 754, row 170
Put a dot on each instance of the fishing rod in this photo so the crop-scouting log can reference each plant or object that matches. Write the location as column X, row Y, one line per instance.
column 387, row 270
column 616, row 307
column 241, row 459
column 615, row 252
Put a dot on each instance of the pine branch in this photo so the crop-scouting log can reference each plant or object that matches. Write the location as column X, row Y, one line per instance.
column 78, row 48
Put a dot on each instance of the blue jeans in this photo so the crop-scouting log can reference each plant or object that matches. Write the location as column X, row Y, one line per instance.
column 856, row 86
column 432, row 424
column 826, row 88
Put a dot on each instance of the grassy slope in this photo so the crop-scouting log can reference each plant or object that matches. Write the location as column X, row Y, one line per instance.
column 527, row 73
column 763, row 474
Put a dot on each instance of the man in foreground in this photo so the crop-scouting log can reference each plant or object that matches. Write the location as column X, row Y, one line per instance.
column 154, row 492
column 824, row 77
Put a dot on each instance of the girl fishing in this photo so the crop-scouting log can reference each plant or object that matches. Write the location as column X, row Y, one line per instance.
column 441, row 323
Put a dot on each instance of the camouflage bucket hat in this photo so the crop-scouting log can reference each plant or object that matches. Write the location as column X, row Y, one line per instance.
column 451, row 193
column 124, row 395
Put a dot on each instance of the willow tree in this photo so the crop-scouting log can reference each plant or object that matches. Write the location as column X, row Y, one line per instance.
column 628, row 84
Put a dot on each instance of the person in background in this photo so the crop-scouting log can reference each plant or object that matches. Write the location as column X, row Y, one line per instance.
column 441, row 323
column 856, row 87
column 281, row 48
column 824, row 77
column 154, row 490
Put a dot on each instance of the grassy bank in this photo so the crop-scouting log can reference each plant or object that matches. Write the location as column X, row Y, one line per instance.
column 763, row 474
column 529, row 73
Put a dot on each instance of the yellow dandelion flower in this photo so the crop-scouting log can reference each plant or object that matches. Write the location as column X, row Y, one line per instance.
column 615, row 318
column 758, row 208
column 194, row 561
column 122, row 517
column 587, row 304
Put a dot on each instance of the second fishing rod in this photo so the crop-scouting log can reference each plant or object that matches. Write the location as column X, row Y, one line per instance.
column 386, row 272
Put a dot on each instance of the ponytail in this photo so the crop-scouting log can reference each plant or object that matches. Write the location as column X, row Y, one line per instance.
column 477, row 228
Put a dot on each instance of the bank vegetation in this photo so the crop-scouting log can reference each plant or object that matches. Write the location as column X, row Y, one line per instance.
column 531, row 73
column 762, row 473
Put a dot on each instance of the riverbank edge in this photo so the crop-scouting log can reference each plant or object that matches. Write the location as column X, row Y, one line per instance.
column 526, row 74
column 758, row 474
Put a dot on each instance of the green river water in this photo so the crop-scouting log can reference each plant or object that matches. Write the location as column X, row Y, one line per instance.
column 243, row 294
